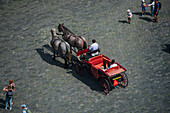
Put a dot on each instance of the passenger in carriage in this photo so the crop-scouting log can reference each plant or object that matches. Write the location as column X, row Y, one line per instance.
column 112, row 64
column 109, row 65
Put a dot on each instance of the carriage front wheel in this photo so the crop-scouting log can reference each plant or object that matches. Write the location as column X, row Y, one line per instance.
column 124, row 81
column 105, row 85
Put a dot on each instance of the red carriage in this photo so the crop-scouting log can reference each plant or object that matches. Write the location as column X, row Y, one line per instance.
column 108, row 78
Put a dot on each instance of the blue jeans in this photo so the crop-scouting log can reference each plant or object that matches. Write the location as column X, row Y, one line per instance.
column 8, row 100
column 152, row 10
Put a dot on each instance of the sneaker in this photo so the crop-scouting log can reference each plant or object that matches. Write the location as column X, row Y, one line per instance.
column 10, row 108
column 6, row 108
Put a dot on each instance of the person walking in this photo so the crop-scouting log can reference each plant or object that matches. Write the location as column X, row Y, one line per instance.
column 129, row 15
column 156, row 10
column 143, row 6
column 152, row 5
column 13, row 87
column 25, row 109
column 9, row 96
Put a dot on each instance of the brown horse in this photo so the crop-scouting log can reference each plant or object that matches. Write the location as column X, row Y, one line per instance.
column 60, row 46
column 75, row 41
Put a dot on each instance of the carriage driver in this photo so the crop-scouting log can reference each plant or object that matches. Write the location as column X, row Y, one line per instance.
column 94, row 46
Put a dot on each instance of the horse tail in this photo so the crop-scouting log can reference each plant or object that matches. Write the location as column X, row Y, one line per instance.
column 68, row 51
column 84, row 43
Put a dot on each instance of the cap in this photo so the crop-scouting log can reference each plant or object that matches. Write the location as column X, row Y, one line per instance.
column 23, row 105
column 128, row 10
column 143, row 0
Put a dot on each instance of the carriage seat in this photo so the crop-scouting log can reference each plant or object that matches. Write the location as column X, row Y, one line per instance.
column 96, row 61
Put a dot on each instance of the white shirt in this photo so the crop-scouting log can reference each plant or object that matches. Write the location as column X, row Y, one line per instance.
column 152, row 4
column 94, row 46
column 113, row 65
column 129, row 14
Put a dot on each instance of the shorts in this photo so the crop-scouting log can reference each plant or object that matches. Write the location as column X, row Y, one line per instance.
column 143, row 8
column 129, row 19
column 155, row 13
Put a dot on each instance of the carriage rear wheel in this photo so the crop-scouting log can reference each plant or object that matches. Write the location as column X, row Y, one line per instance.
column 105, row 85
column 124, row 81
column 78, row 68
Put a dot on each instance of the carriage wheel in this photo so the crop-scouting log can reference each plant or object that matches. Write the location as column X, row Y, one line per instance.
column 124, row 81
column 78, row 68
column 105, row 85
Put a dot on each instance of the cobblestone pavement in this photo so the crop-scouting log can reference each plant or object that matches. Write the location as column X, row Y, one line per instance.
column 46, row 87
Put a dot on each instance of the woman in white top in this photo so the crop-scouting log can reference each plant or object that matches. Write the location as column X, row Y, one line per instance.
column 152, row 5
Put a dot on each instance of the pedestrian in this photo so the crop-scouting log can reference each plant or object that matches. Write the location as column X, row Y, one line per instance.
column 143, row 6
column 129, row 15
column 25, row 109
column 13, row 87
column 8, row 97
column 152, row 5
column 112, row 64
column 12, row 84
column 156, row 10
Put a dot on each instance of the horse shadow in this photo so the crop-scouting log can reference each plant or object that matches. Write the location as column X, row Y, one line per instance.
column 166, row 48
column 2, row 103
column 123, row 21
column 47, row 57
column 146, row 19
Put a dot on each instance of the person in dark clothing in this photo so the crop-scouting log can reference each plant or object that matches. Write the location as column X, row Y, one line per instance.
column 156, row 10
column 9, row 95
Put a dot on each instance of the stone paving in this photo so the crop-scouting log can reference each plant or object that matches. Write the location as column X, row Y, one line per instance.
column 46, row 87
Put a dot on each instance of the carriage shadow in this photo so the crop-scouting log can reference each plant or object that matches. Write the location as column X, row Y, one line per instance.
column 87, row 79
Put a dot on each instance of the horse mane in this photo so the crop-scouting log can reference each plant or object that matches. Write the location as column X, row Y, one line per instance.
column 68, row 30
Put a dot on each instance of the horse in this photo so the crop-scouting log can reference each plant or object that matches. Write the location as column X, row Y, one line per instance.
column 60, row 46
column 75, row 41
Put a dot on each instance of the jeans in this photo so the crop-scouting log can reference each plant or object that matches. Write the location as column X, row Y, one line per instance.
column 152, row 10
column 8, row 100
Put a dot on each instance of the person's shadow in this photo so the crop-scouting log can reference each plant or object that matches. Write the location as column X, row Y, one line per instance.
column 146, row 19
column 2, row 103
column 123, row 21
column 166, row 48
column 140, row 13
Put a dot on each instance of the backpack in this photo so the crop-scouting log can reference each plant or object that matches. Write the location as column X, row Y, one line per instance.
column 159, row 5
column 28, row 111
column 10, row 93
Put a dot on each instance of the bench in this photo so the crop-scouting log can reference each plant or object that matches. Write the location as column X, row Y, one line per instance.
column 96, row 61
